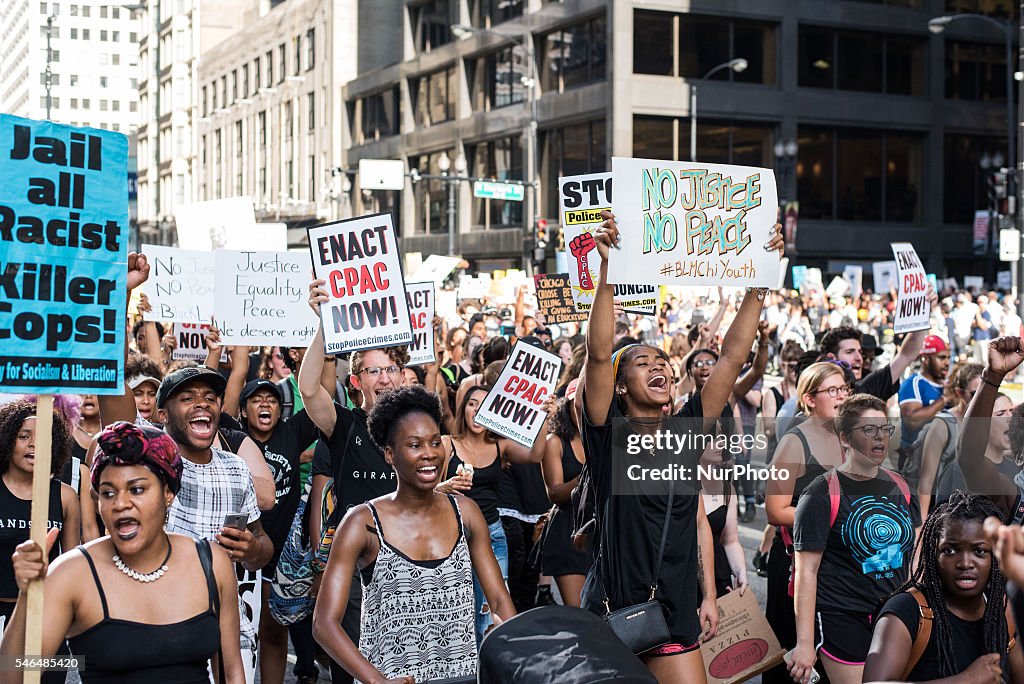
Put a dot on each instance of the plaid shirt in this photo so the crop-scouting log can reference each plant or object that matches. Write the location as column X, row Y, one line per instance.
column 208, row 492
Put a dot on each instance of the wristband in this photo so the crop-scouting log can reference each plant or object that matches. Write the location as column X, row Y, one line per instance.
column 989, row 382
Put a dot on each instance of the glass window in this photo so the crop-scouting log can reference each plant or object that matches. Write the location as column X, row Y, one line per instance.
column 975, row 71
column 568, row 151
column 379, row 116
column 859, row 175
column 297, row 43
column 652, row 42
column 496, row 80
column 269, row 59
column 964, row 190
column 653, row 137
column 282, row 58
column 310, row 49
column 703, row 45
column 256, row 76
column 1001, row 9
column 431, row 196
column 431, row 23
column 434, row 97
column 904, row 66
column 816, row 67
column 245, row 80
column 311, row 111
column 814, row 173
column 487, row 13
column 575, row 55
column 263, row 128
column 859, row 64
column 501, row 160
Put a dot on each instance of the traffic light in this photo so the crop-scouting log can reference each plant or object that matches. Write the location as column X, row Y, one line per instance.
column 540, row 251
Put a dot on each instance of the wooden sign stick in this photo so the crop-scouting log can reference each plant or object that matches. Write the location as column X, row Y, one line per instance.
column 40, row 516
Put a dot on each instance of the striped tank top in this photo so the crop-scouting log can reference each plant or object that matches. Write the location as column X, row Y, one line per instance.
column 418, row 616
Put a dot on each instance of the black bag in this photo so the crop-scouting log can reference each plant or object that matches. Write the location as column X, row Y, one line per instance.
column 583, row 500
column 642, row 626
column 556, row 645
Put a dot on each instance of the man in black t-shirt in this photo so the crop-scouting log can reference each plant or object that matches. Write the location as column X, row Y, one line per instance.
column 351, row 460
column 282, row 444
column 844, row 344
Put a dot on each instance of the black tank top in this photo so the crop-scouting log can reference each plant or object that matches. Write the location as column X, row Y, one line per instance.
column 15, row 526
column 127, row 652
column 571, row 468
column 485, row 484
column 723, row 573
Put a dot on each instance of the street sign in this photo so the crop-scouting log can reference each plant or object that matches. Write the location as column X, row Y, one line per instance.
column 1009, row 244
column 515, row 192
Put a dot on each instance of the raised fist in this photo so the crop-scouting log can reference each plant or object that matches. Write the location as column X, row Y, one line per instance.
column 580, row 246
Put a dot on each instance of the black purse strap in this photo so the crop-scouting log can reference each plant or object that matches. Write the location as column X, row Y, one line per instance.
column 661, row 550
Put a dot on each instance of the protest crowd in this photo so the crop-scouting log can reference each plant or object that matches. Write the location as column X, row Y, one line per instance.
column 446, row 500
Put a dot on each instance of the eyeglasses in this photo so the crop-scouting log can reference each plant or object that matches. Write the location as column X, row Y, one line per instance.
column 835, row 391
column 707, row 363
column 279, row 356
column 873, row 431
column 375, row 371
column 790, row 365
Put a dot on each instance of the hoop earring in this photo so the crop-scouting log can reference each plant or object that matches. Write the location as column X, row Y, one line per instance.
column 1019, row 459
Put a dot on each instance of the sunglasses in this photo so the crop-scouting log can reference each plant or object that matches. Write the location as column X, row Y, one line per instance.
column 705, row 363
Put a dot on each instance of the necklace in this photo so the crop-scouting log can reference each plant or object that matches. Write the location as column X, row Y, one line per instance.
column 85, row 432
column 144, row 577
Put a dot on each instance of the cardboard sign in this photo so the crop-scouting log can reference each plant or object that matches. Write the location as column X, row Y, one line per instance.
column 976, row 283
column 435, row 268
column 478, row 287
column 180, row 285
column 359, row 259
column 884, row 273
column 421, row 312
column 837, row 288
column 582, row 199
column 513, row 406
column 745, row 644
column 912, row 307
column 191, row 339
column 228, row 223
column 64, row 254
column 262, row 298
column 554, row 299
column 687, row 223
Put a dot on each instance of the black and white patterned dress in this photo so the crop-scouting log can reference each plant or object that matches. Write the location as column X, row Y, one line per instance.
column 417, row 617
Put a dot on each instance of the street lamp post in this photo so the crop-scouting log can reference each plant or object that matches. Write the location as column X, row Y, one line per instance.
column 452, row 181
column 937, row 25
column 49, row 58
column 737, row 65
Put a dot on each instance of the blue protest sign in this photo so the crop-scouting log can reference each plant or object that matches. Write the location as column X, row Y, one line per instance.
column 799, row 275
column 63, row 257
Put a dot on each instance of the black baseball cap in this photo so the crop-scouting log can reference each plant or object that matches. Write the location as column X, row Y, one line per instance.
column 254, row 386
column 175, row 380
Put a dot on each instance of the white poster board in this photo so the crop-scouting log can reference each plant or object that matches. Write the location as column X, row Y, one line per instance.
column 262, row 298
column 217, row 224
column 976, row 283
column 582, row 199
column 180, row 285
column 854, row 275
column 359, row 260
column 421, row 314
column 912, row 307
column 513, row 406
column 687, row 223
column 884, row 273
column 435, row 268
column 191, row 342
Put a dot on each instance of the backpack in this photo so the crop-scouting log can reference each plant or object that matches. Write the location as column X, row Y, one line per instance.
column 288, row 404
column 924, row 631
column 289, row 588
column 835, row 494
column 328, row 507
column 914, row 455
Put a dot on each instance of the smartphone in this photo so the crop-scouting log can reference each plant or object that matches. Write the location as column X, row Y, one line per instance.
column 508, row 329
column 815, row 677
column 239, row 521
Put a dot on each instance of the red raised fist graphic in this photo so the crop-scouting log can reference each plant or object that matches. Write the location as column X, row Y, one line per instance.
column 580, row 246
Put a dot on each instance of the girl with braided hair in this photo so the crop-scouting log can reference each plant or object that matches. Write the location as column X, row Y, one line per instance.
column 960, row 583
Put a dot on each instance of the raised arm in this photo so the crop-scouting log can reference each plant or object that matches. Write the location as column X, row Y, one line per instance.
column 122, row 406
column 980, row 474
column 716, row 321
column 736, row 345
column 912, row 345
column 236, row 379
column 315, row 399
column 597, row 373
column 745, row 385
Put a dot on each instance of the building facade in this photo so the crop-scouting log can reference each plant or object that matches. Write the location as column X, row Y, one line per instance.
column 883, row 126
column 92, row 59
column 269, row 114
